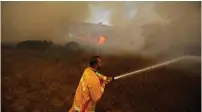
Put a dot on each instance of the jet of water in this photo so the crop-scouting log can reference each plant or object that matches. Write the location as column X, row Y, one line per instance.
column 156, row 66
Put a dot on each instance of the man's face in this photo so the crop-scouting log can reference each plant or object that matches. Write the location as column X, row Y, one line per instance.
column 99, row 64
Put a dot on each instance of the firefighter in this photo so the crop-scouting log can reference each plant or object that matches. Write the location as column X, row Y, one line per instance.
column 90, row 88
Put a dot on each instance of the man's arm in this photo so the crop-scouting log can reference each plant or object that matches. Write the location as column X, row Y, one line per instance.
column 104, row 78
column 101, row 76
column 96, row 90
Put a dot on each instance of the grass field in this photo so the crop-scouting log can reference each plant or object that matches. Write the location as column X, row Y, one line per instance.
column 38, row 82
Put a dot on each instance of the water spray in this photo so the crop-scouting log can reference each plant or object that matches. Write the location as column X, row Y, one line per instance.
column 156, row 66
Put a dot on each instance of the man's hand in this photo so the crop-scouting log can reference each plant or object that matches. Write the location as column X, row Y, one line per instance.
column 109, row 79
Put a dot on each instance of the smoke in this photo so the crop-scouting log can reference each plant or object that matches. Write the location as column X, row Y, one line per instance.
column 39, row 20
column 181, row 34
column 149, row 28
column 168, row 29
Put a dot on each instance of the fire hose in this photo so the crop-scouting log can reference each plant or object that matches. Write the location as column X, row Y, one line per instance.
column 156, row 66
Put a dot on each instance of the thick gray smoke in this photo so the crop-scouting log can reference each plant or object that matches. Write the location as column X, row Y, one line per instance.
column 180, row 35
column 39, row 20
column 151, row 28
column 161, row 28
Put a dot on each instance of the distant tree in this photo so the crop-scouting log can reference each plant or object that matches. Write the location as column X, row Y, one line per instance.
column 35, row 44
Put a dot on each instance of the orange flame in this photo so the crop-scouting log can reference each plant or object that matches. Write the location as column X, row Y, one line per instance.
column 101, row 40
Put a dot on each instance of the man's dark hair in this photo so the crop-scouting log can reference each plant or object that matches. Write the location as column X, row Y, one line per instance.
column 94, row 60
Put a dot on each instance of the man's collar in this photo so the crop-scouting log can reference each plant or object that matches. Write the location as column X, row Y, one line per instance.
column 96, row 71
column 93, row 69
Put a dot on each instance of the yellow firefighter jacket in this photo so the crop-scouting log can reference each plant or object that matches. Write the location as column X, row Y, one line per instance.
column 89, row 91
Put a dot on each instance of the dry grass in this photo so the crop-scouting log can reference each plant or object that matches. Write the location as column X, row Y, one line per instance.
column 32, row 82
